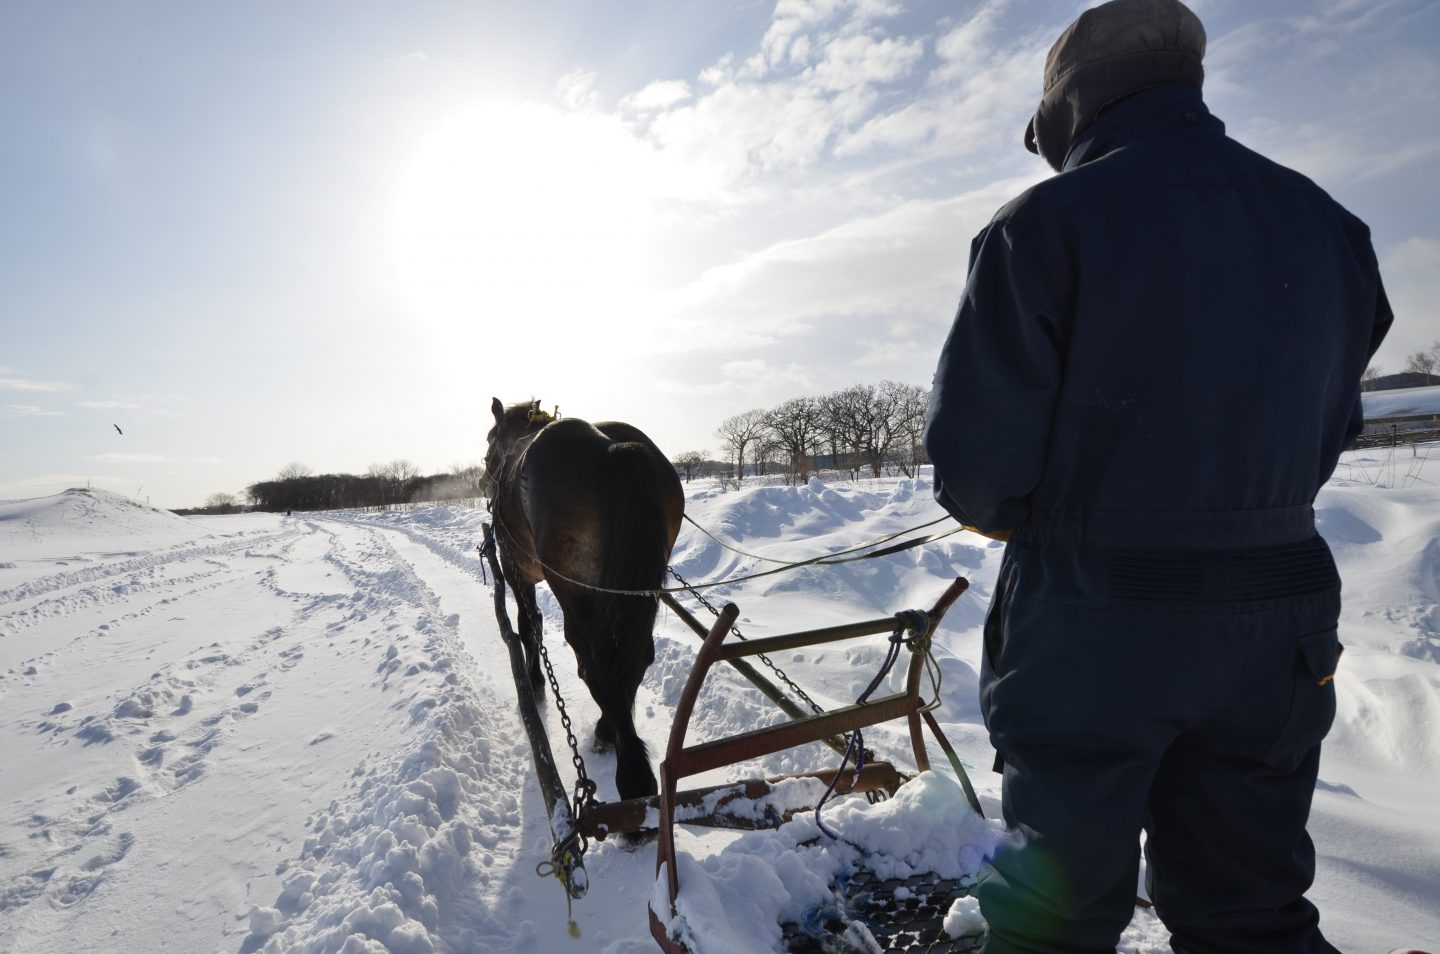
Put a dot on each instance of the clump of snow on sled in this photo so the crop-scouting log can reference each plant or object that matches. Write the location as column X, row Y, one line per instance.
column 735, row 901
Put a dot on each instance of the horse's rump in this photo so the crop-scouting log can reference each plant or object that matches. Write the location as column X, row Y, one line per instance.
column 603, row 515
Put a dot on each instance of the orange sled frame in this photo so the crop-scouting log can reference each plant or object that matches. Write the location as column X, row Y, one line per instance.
column 683, row 761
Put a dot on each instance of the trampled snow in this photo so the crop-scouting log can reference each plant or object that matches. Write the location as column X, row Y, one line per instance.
column 257, row 733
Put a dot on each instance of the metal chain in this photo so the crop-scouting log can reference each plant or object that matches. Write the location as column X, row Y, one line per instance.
column 584, row 787
column 779, row 673
column 790, row 683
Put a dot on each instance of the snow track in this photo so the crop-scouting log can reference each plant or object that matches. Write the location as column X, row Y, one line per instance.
column 327, row 717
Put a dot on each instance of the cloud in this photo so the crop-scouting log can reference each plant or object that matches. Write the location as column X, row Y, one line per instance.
column 753, row 377
column 124, row 458
column 576, row 90
column 52, row 483
column 27, row 410
column 108, row 405
column 1348, row 149
column 823, row 69
column 905, row 261
column 661, row 94
column 840, row 109
column 29, row 384
column 1411, row 271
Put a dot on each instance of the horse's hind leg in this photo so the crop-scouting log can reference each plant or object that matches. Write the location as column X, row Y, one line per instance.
column 633, row 775
column 604, row 734
column 531, row 632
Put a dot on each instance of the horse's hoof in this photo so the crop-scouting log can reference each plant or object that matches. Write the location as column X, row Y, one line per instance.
column 635, row 840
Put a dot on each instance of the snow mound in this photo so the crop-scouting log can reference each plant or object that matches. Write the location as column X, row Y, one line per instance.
column 38, row 526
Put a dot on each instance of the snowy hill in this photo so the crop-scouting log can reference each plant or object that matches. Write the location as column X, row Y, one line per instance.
column 81, row 520
column 298, row 734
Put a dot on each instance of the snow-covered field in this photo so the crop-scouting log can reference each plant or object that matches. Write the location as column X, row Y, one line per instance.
column 1402, row 401
column 256, row 733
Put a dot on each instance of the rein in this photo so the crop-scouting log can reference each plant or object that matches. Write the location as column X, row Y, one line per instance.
column 829, row 559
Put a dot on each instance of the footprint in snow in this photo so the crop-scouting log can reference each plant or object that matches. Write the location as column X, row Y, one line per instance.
column 123, row 788
column 70, row 891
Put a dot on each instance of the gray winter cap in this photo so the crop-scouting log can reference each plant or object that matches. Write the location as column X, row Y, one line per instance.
column 1108, row 53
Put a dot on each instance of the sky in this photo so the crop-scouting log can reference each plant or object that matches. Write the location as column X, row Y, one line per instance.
column 329, row 233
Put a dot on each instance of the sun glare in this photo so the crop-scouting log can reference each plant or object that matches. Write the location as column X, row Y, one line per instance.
column 521, row 220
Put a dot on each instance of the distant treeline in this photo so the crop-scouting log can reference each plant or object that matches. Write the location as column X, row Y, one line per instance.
column 870, row 428
column 295, row 488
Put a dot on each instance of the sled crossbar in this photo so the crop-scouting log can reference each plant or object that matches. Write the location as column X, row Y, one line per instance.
column 682, row 761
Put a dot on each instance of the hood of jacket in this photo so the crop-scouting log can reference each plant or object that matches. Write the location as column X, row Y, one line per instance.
column 1109, row 53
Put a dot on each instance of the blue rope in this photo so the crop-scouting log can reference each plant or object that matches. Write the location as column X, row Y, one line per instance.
column 916, row 623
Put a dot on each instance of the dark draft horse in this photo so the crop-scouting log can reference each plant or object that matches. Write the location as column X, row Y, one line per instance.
column 583, row 505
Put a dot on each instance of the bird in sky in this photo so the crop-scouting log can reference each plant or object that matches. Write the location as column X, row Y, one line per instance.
column 117, row 429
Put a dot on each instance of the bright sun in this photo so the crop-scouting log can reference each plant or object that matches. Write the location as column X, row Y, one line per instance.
column 522, row 219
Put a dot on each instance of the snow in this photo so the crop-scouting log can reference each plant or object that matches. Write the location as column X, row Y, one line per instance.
column 256, row 733
column 1401, row 402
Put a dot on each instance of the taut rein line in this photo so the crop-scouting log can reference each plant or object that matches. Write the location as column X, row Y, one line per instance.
column 829, row 559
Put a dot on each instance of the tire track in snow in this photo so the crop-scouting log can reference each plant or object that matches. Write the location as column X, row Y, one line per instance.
column 166, row 594
column 105, row 571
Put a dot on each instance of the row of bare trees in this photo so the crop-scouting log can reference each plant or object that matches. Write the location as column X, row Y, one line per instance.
column 297, row 487
column 865, row 427
column 1424, row 361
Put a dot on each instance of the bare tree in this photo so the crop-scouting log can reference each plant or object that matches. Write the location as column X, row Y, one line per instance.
column 401, row 470
column 1373, row 372
column 221, row 501
column 906, row 405
column 470, row 477
column 854, row 416
column 837, row 433
column 795, row 426
column 1423, row 362
column 394, row 479
column 293, row 471
column 739, row 434
column 689, row 463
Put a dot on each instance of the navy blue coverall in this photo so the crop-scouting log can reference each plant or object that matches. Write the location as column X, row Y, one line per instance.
column 1154, row 368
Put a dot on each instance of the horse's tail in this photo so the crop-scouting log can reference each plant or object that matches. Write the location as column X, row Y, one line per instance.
column 637, row 543
column 620, row 637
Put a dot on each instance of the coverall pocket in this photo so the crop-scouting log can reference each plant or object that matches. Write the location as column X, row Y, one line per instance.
column 1312, row 707
column 994, row 642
